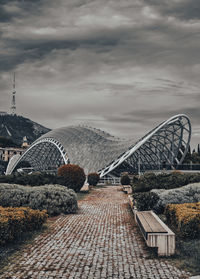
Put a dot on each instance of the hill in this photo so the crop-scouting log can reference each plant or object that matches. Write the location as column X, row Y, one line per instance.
column 15, row 127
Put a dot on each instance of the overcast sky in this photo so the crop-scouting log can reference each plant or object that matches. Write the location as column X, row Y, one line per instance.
column 123, row 66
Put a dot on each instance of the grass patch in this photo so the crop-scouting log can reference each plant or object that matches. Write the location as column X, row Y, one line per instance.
column 82, row 195
column 187, row 255
column 10, row 251
column 101, row 186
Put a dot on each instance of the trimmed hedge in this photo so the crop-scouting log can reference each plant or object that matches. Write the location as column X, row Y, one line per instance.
column 15, row 221
column 125, row 179
column 93, row 178
column 145, row 201
column 34, row 179
column 56, row 199
column 157, row 199
column 73, row 175
column 186, row 194
column 173, row 180
column 185, row 217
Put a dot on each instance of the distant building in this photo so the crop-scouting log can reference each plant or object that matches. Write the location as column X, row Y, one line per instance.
column 25, row 142
column 7, row 152
column 2, row 113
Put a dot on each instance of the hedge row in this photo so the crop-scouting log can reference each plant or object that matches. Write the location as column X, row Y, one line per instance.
column 15, row 221
column 186, row 218
column 69, row 175
column 151, row 181
column 157, row 199
column 186, row 194
column 34, row 179
column 55, row 199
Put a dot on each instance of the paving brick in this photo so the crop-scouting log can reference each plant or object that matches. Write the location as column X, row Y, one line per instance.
column 100, row 241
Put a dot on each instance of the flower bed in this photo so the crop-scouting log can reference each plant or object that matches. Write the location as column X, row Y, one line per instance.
column 15, row 221
column 185, row 217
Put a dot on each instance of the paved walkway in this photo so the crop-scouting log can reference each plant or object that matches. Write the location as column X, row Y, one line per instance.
column 101, row 241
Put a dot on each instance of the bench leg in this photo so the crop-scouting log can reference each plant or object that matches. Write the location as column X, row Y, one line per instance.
column 165, row 244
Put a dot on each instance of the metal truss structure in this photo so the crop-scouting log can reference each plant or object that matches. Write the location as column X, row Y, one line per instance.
column 97, row 151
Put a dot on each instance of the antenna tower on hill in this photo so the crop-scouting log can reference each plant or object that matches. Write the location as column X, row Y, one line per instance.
column 13, row 103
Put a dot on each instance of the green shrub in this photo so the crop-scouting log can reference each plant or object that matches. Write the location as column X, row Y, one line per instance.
column 56, row 199
column 145, row 201
column 15, row 221
column 74, row 176
column 93, row 178
column 125, row 180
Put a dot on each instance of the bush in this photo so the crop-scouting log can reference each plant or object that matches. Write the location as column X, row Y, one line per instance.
column 186, row 218
column 55, row 199
column 145, row 201
column 15, row 221
column 125, row 180
column 93, row 178
column 151, row 181
column 74, row 176
column 186, row 194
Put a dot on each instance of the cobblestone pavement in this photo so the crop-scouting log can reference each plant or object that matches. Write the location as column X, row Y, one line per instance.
column 101, row 241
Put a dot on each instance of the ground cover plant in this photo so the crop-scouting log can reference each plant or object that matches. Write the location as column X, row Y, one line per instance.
column 15, row 221
column 56, row 199
column 73, row 176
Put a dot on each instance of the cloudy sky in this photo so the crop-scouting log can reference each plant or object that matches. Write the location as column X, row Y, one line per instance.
column 123, row 66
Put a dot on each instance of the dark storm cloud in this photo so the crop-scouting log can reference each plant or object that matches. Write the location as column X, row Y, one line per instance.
column 112, row 63
column 4, row 16
column 11, row 9
column 145, row 44
column 185, row 10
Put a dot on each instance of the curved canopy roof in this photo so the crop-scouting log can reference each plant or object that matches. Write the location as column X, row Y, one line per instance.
column 95, row 150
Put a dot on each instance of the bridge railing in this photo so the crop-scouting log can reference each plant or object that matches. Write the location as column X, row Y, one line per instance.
column 110, row 181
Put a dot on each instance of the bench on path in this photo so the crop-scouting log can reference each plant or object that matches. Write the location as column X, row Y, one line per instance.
column 85, row 188
column 127, row 189
column 155, row 232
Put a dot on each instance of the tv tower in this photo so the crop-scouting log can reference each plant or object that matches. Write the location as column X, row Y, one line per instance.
column 13, row 103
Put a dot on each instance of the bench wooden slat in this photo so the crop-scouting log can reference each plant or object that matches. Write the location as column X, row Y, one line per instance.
column 155, row 232
column 153, row 223
column 144, row 226
column 144, row 222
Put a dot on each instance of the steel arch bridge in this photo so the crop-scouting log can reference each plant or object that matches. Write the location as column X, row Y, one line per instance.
column 98, row 151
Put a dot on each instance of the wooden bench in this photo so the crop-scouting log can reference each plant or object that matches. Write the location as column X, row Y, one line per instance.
column 127, row 189
column 155, row 232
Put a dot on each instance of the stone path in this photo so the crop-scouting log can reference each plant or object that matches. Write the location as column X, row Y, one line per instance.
column 101, row 241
